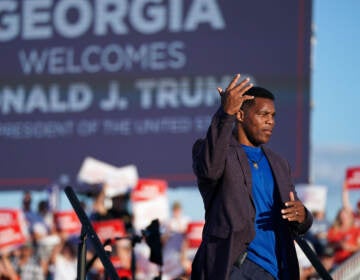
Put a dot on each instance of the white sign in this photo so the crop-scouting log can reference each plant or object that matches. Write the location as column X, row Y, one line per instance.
column 313, row 196
column 118, row 180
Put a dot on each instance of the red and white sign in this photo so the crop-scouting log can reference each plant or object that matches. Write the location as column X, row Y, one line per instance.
column 149, row 202
column 67, row 222
column 353, row 177
column 109, row 229
column 193, row 238
column 148, row 189
column 194, row 233
column 13, row 230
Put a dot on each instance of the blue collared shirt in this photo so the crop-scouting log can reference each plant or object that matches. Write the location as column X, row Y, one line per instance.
column 263, row 249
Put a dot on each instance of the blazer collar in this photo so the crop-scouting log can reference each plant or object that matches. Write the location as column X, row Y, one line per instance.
column 278, row 172
column 244, row 163
column 275, row 165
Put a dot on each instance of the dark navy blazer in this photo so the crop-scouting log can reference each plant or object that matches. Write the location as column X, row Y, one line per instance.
column 224, row 181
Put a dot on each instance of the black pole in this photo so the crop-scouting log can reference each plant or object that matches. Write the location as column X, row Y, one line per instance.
column 312, row 257
column 108, row 253
column 91, row 234
column 90, row 263
column 81, row 265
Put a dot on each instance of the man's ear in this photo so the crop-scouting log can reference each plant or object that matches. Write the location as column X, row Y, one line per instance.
column 240, row 115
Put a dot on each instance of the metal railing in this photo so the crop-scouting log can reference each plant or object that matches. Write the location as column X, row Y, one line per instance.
column 349, row 269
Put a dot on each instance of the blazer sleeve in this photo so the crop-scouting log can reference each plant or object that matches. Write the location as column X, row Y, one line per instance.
column 209, row 154
column 301, row 228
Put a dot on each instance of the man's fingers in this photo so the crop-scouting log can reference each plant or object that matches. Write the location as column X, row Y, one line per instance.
column 292, row 199
column 233, row 82
column 244, row 85
column 292, row 196
column 294, row 210
column 245, row 89
column 248, row 97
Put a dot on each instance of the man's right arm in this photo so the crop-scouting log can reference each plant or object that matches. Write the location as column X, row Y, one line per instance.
column 209, row 154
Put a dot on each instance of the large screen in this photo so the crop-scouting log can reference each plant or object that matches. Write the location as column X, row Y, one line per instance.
column 134, row 82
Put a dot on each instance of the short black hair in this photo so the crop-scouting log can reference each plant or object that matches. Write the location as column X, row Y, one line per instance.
column 257, row 92
column 260, row 92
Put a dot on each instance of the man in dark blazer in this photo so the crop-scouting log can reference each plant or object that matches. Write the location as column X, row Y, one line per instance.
column 251, row 207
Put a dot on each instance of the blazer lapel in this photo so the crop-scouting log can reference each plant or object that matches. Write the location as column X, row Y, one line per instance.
column 245, row 167
column 277, row 172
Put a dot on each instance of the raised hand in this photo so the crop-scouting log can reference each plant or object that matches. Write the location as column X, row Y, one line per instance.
column 233, row 97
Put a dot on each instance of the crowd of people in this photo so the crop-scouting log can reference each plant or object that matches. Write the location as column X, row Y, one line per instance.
column 51, row 254
column 333, row 241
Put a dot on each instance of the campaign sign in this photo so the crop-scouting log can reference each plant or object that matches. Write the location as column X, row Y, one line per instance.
column 194, row 233
column 193, row 238
column 149, row 202
column 109, row 229
column 353, row 177
column 67, row 222
column 13, row 231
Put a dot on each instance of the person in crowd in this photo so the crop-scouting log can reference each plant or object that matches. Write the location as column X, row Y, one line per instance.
column 99, row 208
column 122, row 258
column 178, row 221
column 38, row 232
column 317, row 233
column 64, row 260
column 347, row 204
column 344, row 236
column 46, row 216
column 305, row 266
column 172, row 240
column 7, row 272
column 251, row 206
column 43, row 225
column 31, row 216
column 44, row 235
column 186, row 258
column 120, row 254
column 105, row 208
column 120, row 208
column 26, row 202
column 27, row 265
column 327, row 258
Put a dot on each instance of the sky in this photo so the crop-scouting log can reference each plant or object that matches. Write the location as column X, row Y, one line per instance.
column 335, row 82
column 335, row 95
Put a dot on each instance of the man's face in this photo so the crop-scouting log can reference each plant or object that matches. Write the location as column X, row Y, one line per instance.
column 259, row 120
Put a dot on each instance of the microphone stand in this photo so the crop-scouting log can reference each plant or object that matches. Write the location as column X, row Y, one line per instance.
column 312, row 257
column 90, row 263
column 81, row 270
column 87, row 231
